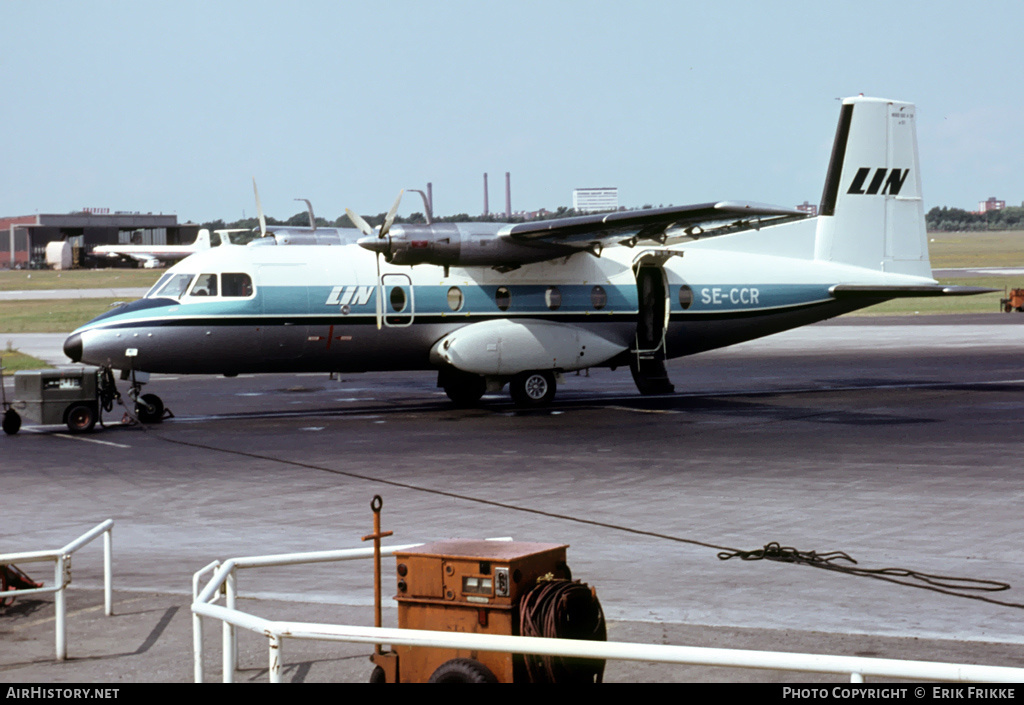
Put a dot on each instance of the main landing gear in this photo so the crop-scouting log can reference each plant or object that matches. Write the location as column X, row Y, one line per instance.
column 532, row 389
column 529, row 390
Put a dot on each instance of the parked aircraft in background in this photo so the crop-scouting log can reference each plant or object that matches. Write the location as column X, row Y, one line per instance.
column 490, row 304
column 150, row 256
column 298, row 234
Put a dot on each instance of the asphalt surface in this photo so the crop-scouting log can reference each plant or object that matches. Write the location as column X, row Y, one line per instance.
column 895, row 441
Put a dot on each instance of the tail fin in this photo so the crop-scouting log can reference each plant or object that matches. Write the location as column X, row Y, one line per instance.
column 202, row 240
column 872, row 214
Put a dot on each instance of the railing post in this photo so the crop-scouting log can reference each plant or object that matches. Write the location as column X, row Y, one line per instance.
column 275, row 658
column 229, row 658
column 108, row 573
column 197, row 648
column 58, row 604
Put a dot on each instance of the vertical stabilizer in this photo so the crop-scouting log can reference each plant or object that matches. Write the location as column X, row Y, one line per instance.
column 872, row 213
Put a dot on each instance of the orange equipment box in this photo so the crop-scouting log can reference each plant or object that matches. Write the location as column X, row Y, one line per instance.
column 469, row 586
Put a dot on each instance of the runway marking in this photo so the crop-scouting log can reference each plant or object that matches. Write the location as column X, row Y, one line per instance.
column 641, row 411
column 584, row 400
column 91, row 440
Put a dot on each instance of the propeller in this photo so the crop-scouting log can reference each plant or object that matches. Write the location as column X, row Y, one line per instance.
column 259, row 209
column 382, row 232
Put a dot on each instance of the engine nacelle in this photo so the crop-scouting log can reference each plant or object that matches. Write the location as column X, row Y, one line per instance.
column 459, row 245
column 506, row 347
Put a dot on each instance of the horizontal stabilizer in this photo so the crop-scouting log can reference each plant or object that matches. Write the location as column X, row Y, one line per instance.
column 896, row 292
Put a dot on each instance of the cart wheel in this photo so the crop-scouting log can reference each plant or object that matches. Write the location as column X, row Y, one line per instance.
column 81, row 418
column 462, row 670
column 12, row 422
column 149, row 409
column 378, row 675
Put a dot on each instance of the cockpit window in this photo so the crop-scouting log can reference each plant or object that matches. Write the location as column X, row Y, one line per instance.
column 175, row 287
column 158, row 286
column 206, row 285
column 236, row 284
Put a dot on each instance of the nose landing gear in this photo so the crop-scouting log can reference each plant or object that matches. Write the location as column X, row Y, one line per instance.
column 148, row 408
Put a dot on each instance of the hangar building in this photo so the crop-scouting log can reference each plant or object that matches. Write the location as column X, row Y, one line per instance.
column 23, row 238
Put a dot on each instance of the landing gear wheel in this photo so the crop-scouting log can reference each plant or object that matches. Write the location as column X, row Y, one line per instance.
column 12, row 422
column 463, row 388
column 81, row 418
column 149, row 408
column 532, row 389
column 462, row 670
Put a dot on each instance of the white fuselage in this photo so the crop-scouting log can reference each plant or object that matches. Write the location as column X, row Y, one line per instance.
column 315, row 308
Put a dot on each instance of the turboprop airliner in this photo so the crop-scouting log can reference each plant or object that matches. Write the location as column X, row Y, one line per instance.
column 299, row 234
column 486, row 305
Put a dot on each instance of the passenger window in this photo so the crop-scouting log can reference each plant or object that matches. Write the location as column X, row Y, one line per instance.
column 236, row 284
column 176, row 286
column 206, row 285
column 503, row 297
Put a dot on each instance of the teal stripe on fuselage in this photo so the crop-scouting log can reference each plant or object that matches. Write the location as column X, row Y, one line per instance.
column 478, row 300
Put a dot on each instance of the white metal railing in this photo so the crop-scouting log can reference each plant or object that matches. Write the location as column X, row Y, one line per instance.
column 223, row 582
column 62, row 576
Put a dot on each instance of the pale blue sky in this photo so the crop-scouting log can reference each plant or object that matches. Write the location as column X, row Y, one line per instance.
column 174, row 106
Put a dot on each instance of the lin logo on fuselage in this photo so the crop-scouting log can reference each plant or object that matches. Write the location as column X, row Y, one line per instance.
column 891, row 185
column 349, row 295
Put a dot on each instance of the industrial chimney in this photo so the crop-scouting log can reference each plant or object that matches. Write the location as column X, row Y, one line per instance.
column 486, row 206
column 508, row 195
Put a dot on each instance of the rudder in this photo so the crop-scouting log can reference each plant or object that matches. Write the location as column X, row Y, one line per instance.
column 872, row 213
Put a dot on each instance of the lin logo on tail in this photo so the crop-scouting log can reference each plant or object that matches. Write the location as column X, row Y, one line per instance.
column 890, row 185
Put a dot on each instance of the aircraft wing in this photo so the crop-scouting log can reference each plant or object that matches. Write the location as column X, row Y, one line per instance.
column 694, row 221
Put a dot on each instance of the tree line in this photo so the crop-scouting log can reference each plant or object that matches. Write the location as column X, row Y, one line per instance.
column 301, row 219
column 958, row 220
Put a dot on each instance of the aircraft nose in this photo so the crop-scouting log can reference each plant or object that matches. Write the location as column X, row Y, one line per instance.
column 73, row 347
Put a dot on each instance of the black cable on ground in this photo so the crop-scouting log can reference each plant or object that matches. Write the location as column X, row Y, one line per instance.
column 943, row 584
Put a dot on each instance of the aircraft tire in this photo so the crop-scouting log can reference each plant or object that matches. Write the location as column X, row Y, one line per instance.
column 462, row 670
column 12, row 422
column 81, row 418
column 532, row 389
column 463, row 388
column 149, row 409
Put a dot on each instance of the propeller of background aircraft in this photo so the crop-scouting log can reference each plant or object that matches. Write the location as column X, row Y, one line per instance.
column 259, row 209
column 365, row 228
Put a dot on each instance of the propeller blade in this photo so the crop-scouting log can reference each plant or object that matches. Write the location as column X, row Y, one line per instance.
column 357, row 220
column 380, row 295
column 390, row 217
column 259, row 209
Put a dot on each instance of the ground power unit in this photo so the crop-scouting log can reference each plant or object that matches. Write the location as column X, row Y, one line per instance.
column 510, row 588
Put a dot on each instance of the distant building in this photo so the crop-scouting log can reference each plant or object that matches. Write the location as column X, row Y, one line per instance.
column 589, row 200
column 23, row 238
column 991, row 205
column 808, row 208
